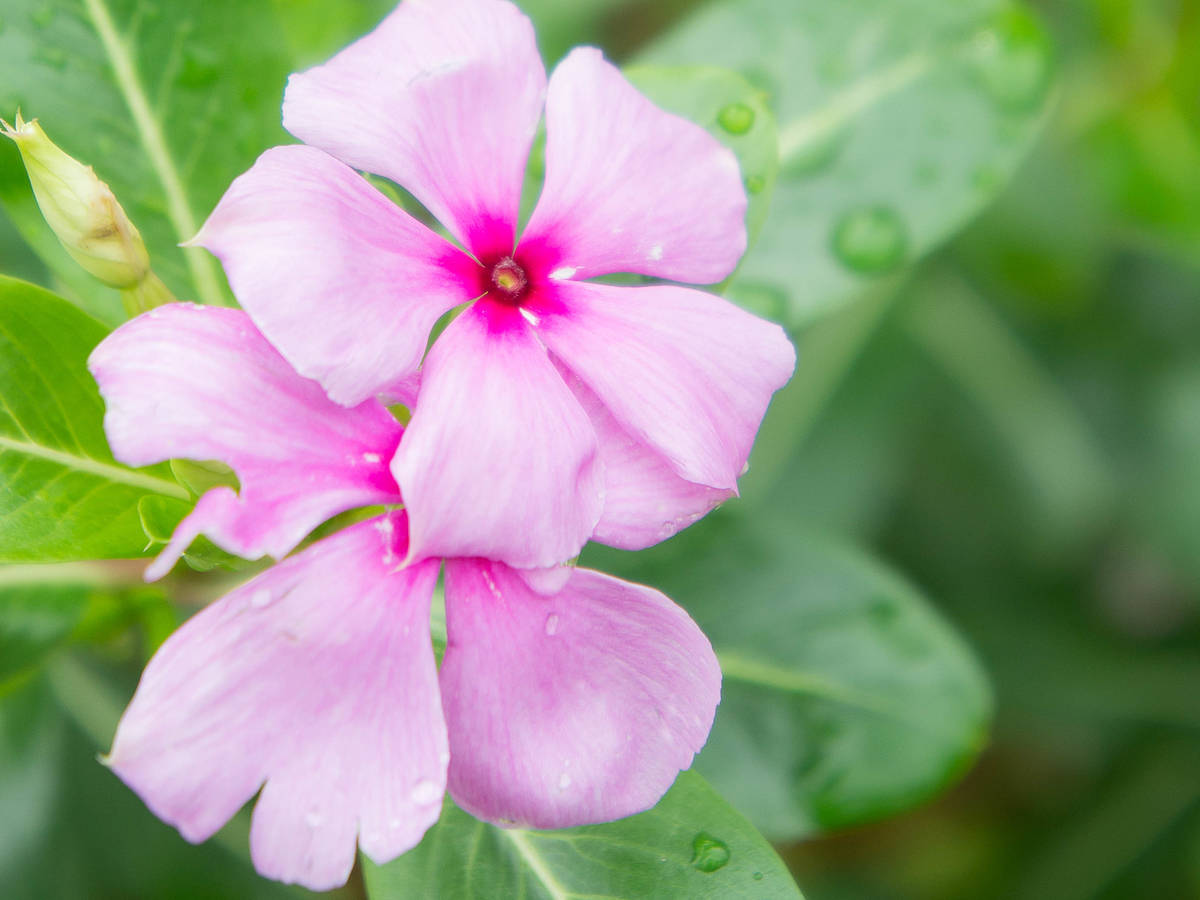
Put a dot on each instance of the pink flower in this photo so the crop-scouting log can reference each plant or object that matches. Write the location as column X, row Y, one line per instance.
column 553, row 408
column 316, row 680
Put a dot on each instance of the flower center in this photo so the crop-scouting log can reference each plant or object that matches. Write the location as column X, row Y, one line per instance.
column 508, row 281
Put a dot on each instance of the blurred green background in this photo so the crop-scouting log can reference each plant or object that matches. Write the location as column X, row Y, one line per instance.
column 1000, row 399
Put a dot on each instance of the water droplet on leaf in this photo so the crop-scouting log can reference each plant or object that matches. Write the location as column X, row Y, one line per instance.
column 55, row 57
column 709, row 854
column 872, row 240
column 758, row 876
column 755, row 184
column 736, row 118
column 552, row 624
column 1012, row 59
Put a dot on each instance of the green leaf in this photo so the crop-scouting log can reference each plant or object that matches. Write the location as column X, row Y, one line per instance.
column 733, row 111
column 160, row 516
column 62, row 495
column 846, row 698
column 898, row 122
column 34, row 620
column 692, row 845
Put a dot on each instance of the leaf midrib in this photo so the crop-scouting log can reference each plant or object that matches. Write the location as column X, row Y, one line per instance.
column 94, row 467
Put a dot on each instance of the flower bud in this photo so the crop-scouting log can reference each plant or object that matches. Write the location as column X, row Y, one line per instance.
column 81, row 209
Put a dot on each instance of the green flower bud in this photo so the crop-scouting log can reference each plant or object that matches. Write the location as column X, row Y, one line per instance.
column 81, row 209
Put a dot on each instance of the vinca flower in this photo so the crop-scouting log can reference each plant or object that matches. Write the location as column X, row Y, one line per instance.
column 554, row 407
column 315, row 686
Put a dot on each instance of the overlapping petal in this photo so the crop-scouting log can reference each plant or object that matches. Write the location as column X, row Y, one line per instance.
column 203, row 383
column 685, row 372
column 339, row 278
column 499, row 459
column 629, row 187
column 444, row 98
column 645, row 501
column 573, row 709
column 316, row 678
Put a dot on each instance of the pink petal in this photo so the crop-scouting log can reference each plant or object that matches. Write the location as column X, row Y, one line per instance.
column 629, row 187
column 317, row 678
column 574, row 709
column 443, row 98
column 645, row 502
column 338, row 277
column 202, row 383
column 682, row 371
column 499, row 459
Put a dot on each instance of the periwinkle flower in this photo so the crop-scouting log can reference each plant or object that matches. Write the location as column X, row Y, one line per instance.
column 554, row 408
column 558, row 702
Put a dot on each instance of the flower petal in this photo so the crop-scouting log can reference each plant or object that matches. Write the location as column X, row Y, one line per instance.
column 574, row 709
column 317, row 678
column 629, row 187
column 499, row 459
column 338, row 277
column 444, row 98
column 203, row 383
column 683, row 371
column 645, row 501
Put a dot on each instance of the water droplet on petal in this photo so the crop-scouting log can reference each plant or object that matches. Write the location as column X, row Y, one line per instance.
column 1012, row 60
column 425, row 792
column 736, row 118
column 260, row 598
column 872, row 240
column 313, row 819
column 372, row 458
column 551, row 623
column 564, row 781
column 708, row 853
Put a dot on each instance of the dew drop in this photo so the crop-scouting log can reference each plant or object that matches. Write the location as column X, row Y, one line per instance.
column 708, row 853
column 755, row 184
column 564, row 781
column 736, row 118
column 55, row 57
column 552, row 624
column 1012, row 60
column 757, row 876
column 260, row 598
column 425, row 792
column 872, row 240
column 313, row 819
column 656, row 252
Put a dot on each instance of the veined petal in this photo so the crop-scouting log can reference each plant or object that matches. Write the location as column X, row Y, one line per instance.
column 572, row 709
column 185, row 381
column 685, row 372
column 444, row 98
column 316, row 678
column 499, row 459
column 345, row 283
column 629, row 187
column 645, row 501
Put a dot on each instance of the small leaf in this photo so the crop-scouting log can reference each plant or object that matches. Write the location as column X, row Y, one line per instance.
column 692, row 845
column 846, row 698
column 62, row 495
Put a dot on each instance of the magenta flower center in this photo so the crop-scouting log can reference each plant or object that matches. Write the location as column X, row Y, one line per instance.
column 508, row 281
